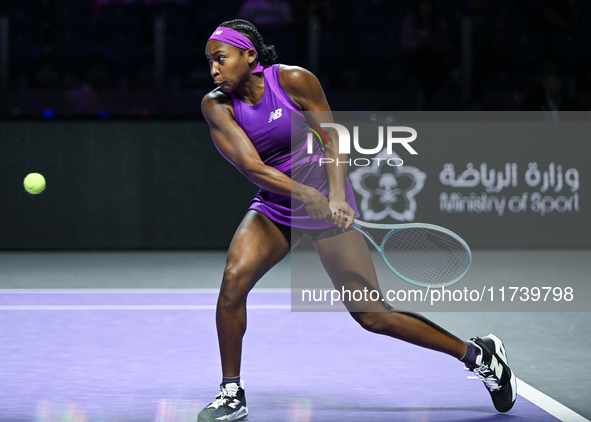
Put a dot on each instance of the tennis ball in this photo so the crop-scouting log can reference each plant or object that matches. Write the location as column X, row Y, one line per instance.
column 34, row 183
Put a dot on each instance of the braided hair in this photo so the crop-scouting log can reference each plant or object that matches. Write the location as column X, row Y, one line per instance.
column 267, row 53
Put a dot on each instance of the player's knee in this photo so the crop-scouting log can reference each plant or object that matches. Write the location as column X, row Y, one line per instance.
column 234, row 289
column 370, row 321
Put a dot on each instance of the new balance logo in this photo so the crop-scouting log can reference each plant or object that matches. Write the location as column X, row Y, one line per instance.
column 497, row 367
column 275, row 115
column 235, row 403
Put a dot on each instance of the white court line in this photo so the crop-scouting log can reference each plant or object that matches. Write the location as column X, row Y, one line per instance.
column 547, row 403
column 127, row 291
column 126, row 307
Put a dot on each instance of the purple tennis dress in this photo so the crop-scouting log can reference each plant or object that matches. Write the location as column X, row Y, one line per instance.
column 270, row 125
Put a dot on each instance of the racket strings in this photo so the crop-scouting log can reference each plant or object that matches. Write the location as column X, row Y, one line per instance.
column 426, row 256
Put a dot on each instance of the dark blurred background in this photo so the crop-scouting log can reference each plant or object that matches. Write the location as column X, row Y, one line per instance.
column 103, row 98
column 144, row 58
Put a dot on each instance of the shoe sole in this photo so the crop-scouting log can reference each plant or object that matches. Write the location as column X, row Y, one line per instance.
column 502, row 354
column 239, row 415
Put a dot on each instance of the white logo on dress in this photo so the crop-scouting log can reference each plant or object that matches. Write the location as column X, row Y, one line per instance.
column 275, row 115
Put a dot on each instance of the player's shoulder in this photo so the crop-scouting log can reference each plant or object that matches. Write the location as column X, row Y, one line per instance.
column 295, row 75
column 298, row 82
column 215, row 99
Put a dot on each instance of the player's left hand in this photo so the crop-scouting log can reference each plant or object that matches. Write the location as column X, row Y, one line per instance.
column 342, row 214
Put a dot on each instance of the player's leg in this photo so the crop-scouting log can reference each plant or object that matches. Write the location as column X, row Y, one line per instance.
column 348, row 263
column 256, row 247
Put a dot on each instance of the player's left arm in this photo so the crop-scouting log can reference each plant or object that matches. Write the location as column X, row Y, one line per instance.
column 305, row 90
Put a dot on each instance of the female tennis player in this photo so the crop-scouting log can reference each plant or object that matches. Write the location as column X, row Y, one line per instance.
column 251, row 126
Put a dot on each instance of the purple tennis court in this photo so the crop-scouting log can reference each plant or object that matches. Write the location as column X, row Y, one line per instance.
column 85, row 356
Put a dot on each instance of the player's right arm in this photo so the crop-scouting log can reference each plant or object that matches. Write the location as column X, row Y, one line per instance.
column 235, row 146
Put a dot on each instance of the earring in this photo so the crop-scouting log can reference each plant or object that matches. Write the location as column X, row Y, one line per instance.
column 250, row 61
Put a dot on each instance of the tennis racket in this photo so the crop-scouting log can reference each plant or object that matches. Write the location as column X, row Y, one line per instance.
column 425, row 255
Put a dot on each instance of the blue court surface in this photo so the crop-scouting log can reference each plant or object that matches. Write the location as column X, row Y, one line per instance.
column 148, row 355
